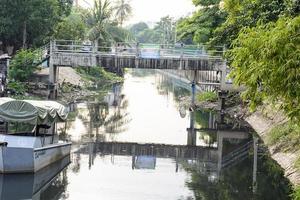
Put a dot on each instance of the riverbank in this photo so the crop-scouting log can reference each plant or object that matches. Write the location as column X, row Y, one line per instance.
column 73, row 84
column 264, row 121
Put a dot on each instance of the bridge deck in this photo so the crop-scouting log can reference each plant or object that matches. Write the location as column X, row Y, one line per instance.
column 135, row 56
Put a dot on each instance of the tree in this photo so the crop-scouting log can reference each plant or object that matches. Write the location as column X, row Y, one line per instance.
column 123, row 11
column 246, row 13
column 29, row 23
column 201, row 25
column 72, row 27
column 139, row 27
column 98, row 19
column 166, row 29
column 101, row 26
column 266, row 60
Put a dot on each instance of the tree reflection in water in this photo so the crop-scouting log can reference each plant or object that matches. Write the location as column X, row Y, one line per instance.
column 235, row 182
column 106, row 116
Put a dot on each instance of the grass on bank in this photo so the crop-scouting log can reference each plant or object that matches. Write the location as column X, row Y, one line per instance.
column 98, row 74
column 285, row 136
column 296, row 194
column 207, row 97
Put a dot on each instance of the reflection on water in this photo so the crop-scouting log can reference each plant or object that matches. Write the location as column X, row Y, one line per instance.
column 48, row 183
column 134, row 144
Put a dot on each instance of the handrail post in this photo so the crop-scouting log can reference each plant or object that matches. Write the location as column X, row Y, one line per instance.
column 224, row 50
column 181, row 57
column 94, row 53
column 137, row 55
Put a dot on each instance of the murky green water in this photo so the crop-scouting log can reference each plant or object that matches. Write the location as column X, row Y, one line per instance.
column 138, row 142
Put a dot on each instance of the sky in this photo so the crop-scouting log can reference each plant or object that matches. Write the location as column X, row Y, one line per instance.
column 153, row 10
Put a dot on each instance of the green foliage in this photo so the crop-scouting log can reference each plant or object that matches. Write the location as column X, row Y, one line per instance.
column 296, row 194
column 207, row 97
column 29, row 23
column 246, row 13
column 71, row 27
column 139, row 27
column 201, row 25
column 123, row 11
column 98, row 74
column 101, row 26
column 162, row 33
column 23, row 65
column 18, row 87
column 205, row 2
column 266, row 59
column 165, row 29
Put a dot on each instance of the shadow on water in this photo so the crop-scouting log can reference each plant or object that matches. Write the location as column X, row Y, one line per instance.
column 210, row 157
column 48, row 183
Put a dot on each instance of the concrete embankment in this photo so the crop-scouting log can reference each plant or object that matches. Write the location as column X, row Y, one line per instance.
column 261, row 124
column 286, row 160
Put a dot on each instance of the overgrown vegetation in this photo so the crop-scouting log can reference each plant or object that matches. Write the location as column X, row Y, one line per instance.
column 285, row 136
column 296, row 194
column 98, row 75
column 23, row 65
column 17, row 88
column 207, row 97
column 266, row 60
column 29, row 23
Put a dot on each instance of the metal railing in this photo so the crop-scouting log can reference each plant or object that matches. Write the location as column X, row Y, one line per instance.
column 138, row 49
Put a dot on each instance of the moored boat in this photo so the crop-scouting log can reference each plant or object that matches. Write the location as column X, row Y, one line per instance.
column 27, row 135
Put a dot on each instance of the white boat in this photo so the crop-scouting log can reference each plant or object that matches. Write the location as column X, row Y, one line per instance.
column 27, row 140
column 47, row 183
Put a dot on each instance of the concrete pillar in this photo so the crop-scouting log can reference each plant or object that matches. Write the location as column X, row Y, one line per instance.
column 94, row 54
column 181, row 57
column 191, row 139
column 223, row 75
column 52, row 74
column 220, row 149
column 52, row 80
column 137, row 55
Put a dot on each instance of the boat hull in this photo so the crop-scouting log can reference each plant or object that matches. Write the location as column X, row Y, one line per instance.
column 22, row 160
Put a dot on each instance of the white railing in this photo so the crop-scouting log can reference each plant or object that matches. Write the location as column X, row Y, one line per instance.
column 138, row 50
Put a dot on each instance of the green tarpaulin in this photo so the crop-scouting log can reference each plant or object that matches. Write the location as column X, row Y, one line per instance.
column 32, row 111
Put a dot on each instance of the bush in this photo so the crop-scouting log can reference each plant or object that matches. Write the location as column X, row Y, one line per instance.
column 17, row 87
column 207, row 96
column 98, row 74
column 23, row 65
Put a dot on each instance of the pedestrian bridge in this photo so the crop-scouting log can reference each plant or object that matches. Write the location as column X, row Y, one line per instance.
column 134, row 55
column 144, row 56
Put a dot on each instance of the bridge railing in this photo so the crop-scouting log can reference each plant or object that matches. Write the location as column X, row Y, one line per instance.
column 142, row 50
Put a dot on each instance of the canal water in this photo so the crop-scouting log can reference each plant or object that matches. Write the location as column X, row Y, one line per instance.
column 139, row 141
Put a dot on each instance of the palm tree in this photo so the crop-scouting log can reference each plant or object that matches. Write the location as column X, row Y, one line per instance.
column 99, row 19
column 123, row 11
column 102, row 28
